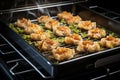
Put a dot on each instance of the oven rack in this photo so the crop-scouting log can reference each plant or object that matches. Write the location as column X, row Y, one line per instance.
column 39, row 6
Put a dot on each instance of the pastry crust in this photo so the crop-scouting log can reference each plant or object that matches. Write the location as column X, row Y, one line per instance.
column 110, row 42
column 47, row 44
column 73, row 19
column 52, row 24
column 44, row 19
column 64, row 15
column 39, row 36
column 97, row 33
column 86, row 25
column 88, row 46
column 22, row 23
column 73, row 39
column 62, row 53
column 62, row 31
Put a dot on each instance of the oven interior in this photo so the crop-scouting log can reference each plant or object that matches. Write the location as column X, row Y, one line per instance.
column 33, row 9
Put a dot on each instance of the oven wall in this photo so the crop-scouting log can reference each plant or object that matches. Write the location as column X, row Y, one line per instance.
column 112, row 5
column 109, row 4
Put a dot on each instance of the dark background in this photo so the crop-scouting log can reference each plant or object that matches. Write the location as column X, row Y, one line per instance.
column 113, row 5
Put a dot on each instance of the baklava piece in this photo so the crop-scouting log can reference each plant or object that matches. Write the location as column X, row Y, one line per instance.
column 47, row 44
column 22, row 23
column 88, row 46
column 62, row 53
column 44, row 19
column 110, row 42
column 97, row 33
column 51, row 24
column 62, row 31
column 64, row 15
column 86, row 25
column 73, row 39
column 33, row 28
column 39, row 36
column 74, row 19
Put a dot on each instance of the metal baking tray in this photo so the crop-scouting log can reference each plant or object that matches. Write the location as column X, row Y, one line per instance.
column 82, row 63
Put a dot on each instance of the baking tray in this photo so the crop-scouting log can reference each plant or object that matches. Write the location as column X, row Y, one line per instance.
column 82, row 63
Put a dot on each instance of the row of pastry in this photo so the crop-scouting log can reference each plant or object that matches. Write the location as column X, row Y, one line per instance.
column 44, row 42
column 59, row 30
column 93, row 31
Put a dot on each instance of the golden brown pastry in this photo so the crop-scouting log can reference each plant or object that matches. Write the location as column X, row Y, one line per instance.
column 52, row 24
column 47, row 44
column 33, row 28
column 110, row 42
column 73, row 39
column 22, row 23
column 74, row 19
column 62, row 31
column 88, row 46
column 39, row 36
column 44, row 19
column 97, row 33
column 64, row 15
column 86, row 25
column 62, row 53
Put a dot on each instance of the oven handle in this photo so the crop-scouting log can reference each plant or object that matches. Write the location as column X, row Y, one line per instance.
column 5, row 71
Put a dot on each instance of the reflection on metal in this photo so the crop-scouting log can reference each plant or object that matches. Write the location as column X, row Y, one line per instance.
column 42, row 6
column 16, row 60
column 12, row 68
